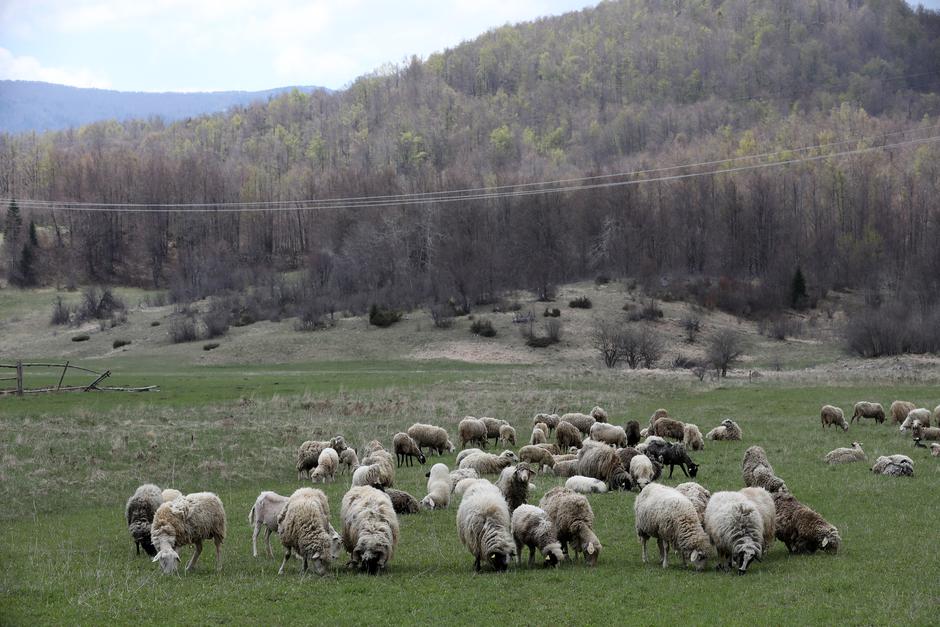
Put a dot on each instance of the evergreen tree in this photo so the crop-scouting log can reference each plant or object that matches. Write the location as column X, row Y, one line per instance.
column 798, row 289
column 13, row 224
column 26, row 271
column 33, row 238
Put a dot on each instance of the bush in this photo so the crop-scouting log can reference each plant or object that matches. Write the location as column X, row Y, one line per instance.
column 554, row 312
column 551, row 334
column 483, row 327
column 685, row 363
column 725, row 347
column 383, row 317
column 61, row 313
column 183, row 330
column 155, row 323
column 893, row 330
column 780, row 327
column 650, row 312
column 692, row 326
column 120, row 343
column 581, row 302
column 99, row 304
column 81, row 337
column 210, row 346
column 217, row 319
column 314, row 316
column 601, row 279
column 442, row 316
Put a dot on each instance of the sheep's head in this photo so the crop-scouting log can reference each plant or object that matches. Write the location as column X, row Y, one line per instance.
column 371, row 560
column 510, row 456
column 338, row 444
column 727, row 423
column 845, row 426
column 336, row 545
column 831, row 541
column 427, row 502
column 523, row 472
column 699, row 559
column 621, row 481
column 592, row 551
column 169, row 560
column 693, row 469
column 553, row 554
column 422, row 458
column 450, row 446
column 499, row 560
column 744, row 555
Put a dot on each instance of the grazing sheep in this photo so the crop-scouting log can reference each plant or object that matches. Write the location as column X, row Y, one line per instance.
column 692, row 437
column 189, row 519
column 801, row 529
column 170, row 493
column 864, row 409
column 459, row 474
column 916, row 415
column 402, row 502
column 507, row 436
column 602, row 462
column 264, row 513
column 899, row 411
column 736, row 528
column 537, row 456
column 406, row 449
column 349, row 460
column 698, row 495
column 669, row 516
column 609, row 434
column 439, row 488
column 492, row 426
column 830, row 415
column 573, row 518
column 633, row 433
column 544, row 428
column 641, row 470
column 532, row 527
column 846, row 455
column 582, row 422
column 376, row 469
column 550, row 447
column 599, row 414
column 567, row 435
column 626, row 454
column 936, row 415
column 551, row 420
column 670, row 454
column 668, row 428
column 586, row 485
column 659, row 413
column 538, row 436
column 727, row 430
column 488, row 464
column 764, row 503
column 567, row 468
column 470, row 430
column 757, row 471
column 326, row 466
column 484, row 526
column 139, row 512
column 467, row 452
column 894, row 466
column 370, row 528
column 303, row 526
column 920, row 432
column 465, row 484
column 514, row 485
column 309, row 453
column 430, row 437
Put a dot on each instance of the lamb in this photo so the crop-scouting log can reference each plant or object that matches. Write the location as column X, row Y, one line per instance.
column 459, row 474
column 264, row 513
column 532, row 527
column 492, row 426
column 669, row 516
column 309, row 453
column 641, row 470
column 139, row 512
column 764, row 503
column 326, row 466
column 467, row 452
column 916, row 415
column 692, row 437
column 864, row 409
column 757, row 471
column 370, row 528
column 573, row 518
column 514, row 485
column 845, row 455
column 671, row 454
column 303, row 526
column 698, row 495
column 830, row 415
column 406, row 449
column 544, row 428
column 609, row 434
column 439, row 488
column 550, row 447
column 899, row 411
column 537, row 437
column 484, row 526
column 633, row 433
column 402, row 502
column 551, row 420
column 626, row 454
column 376, row 469
column 471, row 430
column 602, row 462
column 801, row 529
column 537, row 456
column 507, row 436
column 727, row 430
column 668, row 428
column 894, row 466
column 736, row 529
column 349, row 460
column 568, row 468
column 582, row 422
column 567, row 435
column 430, row 437
column 920, row 432
column 189, row 519
column 586, row 485
column 170, row 493
column 599, row 414
column 488, row 464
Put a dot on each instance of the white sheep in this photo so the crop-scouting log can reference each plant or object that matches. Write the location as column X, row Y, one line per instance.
column 189, row 519
column 514, row 484
column 699, row 496
column 727, row 430
column 432, row 437
column 845, row 455
column 439, row 488
column 692, row 437
column 830, row 415
column 582, row 422
column 488, row 464
column 764, row 503
column 377, row 468
column 465, row 484
column 303, row 526
column 507, row 436
column 573, row 518
column 669, row 516
column 736, row 528
column 641, row 470
column 264, row 513
column 349, row 460
column 326, row 466
column 370, row 528
column 170, row 493
column 608, row 434
column 471, row 430
column 459, row 474
column 139, row 513
column 922, row 415
column 484, row 526
column 538, row 436
column 894, row 466
column 532, row 527
column 586, row 485
column 464, row 454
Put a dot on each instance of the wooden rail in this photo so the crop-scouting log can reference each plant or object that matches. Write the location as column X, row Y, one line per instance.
column 20, row 388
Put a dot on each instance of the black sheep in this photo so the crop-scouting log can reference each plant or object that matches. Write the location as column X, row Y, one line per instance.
column 633, row 433
column 672, row 455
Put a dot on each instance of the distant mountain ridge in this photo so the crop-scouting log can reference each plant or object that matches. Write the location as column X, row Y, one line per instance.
column 37, row 106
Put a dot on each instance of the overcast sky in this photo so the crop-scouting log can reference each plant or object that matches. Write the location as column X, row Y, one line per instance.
column 187, row 45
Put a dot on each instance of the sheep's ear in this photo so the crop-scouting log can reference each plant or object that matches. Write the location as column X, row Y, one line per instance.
column 156, row 558
column 493, row 556
column 694, row 556
column 590, row 548
column 315, row 556
column 825, row 541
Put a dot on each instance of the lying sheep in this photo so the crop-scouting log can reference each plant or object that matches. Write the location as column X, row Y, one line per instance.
column 757, row 471
column 664, row 513
column 599, row 414
column 551, row 420
column 573, row 518
column 586, row 485
column 692, row 437
column 488, row 464
column 439, row 488
column 465, row 484
column 864, row 409
column 484, row 526
column 641, row 470
column 894, row 466
column 633, row 433
column 727, row 430
column 801, row 529
column 582, row 422
column 492, row 426
column 608, row 434
column 406, row 450
column 539, row 457
column 532, row 527
column 916, row 415
column 538, row 436
column 470, row 431
column 376, row 469
column 139, row 512
column 736, row 530
column 567, row 435
column 565, row 458
column 326, row 466
column 921, row 432
column 668, row 428
column 567, row 468
column 513, row 483
column 764, row 503
column 507, row 436
column 830, row 415
column 264, row 513
column 602, row 462
column 845, row 455
column 303, row 526
column 672, row 455
column 349, row 460
column 370, row 528
column 934, row 450
column 698, row 495
column 899, row 411
column 402, row 502
column 431, row 437
column 190, row 519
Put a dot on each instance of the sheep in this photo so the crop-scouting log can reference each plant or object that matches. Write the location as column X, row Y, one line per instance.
column 864, row 409
column 551, row 420
column 376, row 469
column 899, row 411
column 537, row 456
column 586, row 485
column 264, row 513
column 830, row 415
column 514, row 485
column 303, row 526
column 544, row 428
column 567, row 457
column 644, row 433
column 727, row 430
column 170, row 493
column 801, row 529
column 633, row 433
column 402, row 502
column 609, row 434
column 894, row 466
column 439, row 488
column 532, row 527
column 538, row 436
column 920, row 432
column 934, row 450
column 668, row 428
column 507, row 436
column 484, row 526
column 326, row 466
column 459, row 474
column 189, row 519
column 488, row 464
column 692, row 437
column 567, row 468
column 465, row 484
column 599, row 414
column 349, row 460
column 467, row 452
column 471, row 430
column 309, row 453
column 602, row 462
column 641, row 470
column 698, row 495
column 139, row 512
column 370, row 528
column 669, row 516
column 845, row 455
column 566, row 434
column 430, row 437
column 764, row 503
column 936, row 415
column 406, row 449
column 757, row 471
column 492, row 426
column 573, row 518
column 550, row 447
column 916, row 415
column 582, row 422
column 672, row 455
column 736, row 528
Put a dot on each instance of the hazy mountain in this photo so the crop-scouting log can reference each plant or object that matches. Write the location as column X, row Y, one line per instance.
column 37, row 106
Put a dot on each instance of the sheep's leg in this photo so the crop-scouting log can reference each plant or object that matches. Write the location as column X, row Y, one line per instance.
column 254, row 539
column 476, row 565
column 643, row 540
column 280, row 571
column 663, row 551
column 304, row 569
column 267, row 540
column 192, row 561
column 218, row 553
column 684, row 471
column 531, row 556
column 671, row 468
column 137, row 544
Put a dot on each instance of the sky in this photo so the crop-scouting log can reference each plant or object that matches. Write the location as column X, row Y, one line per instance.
column 213, row 45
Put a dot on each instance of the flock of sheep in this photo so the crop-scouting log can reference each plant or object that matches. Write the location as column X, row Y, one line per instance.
column 494, row 519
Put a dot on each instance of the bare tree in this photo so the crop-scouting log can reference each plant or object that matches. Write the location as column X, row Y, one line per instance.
column 725, row 347
column 608, row 338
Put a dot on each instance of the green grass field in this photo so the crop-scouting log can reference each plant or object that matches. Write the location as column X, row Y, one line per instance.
column 69, row 462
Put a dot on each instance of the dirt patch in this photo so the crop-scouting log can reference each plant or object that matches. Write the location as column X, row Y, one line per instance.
column 473, row 352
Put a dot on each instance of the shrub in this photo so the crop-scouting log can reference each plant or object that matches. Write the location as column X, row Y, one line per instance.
column 99, row 304
column 61, row 312
column 217, row 319
column 725, row 347
column 442, row 316
column 554, row 312
column 552, row 334
column 893, row 330
column 685, row 363
column 183, row 330
column 383, row 317
column 601, row 279
column 120, row 343
column 650, row 312
column 780, row 327
column 483, row 327
column 155, row 323
column 81, row 337
column 692, row 326
column 607, row 338
column 313, row 316
column 581, row 302
column 210, row 346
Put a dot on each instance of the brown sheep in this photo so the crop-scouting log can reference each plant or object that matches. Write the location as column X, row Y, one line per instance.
column 470, row 430
column 864, row 409
column 899, row 411
column 830, row 415
column 566, row 434
column 668, row 428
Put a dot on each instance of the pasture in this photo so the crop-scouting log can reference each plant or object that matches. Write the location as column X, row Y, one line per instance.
column 69, row 462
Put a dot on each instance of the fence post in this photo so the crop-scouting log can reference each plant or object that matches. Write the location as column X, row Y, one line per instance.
column 19, row 378
column 64, row 369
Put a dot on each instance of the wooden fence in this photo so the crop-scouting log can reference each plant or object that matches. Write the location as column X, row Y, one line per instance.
column 20, row 387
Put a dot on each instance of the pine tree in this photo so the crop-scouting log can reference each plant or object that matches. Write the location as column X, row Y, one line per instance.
column 13, row 224
column 26, row 271
column 798, row 289
column 33, row 238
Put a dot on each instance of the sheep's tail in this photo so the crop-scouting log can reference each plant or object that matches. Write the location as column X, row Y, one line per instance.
column 251, row 515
